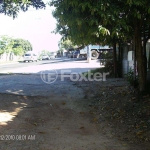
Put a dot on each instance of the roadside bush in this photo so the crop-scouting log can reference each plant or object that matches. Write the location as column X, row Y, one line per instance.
column 130, row 78
column 107, row 61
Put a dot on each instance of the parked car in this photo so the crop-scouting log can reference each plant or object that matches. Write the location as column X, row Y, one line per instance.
column 52, row 56
column 76, row 54
column 30, row 56
column 45, row 57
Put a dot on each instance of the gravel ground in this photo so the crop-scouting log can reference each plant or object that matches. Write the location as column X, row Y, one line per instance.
column 65, row 115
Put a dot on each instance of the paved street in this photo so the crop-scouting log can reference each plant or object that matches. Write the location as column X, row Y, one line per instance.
column 24, row 78
column 76, row 65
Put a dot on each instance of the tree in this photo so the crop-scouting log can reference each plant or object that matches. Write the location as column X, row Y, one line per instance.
column 18, row 47
column 90, row 22
column 7, row 43
column 87, row 24
column 81, row 21
column 44, row 52
column 21, row 46
column 67, row 44
column 139, row 24
column 2, row 46
column 18, row 51
column 12, row 7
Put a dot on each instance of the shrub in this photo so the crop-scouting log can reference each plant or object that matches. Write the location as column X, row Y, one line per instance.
column 133, row 81
column 107, row 61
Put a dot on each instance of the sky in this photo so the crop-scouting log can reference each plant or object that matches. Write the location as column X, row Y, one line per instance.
column 35, row 26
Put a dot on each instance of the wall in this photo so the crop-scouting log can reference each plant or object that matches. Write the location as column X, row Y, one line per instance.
column 128, row 63
column 9, row 57
column 125, row 67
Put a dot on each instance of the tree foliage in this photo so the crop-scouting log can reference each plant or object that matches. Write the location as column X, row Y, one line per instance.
column 16, row 46
column 24, row 44
column 85, row 21
column 67, row 44
column 92, row 21
column 7, row 44
column 12, row 7
column 2, row 45
column 18, row 51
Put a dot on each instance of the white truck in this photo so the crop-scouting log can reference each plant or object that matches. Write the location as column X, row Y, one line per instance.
column 95, row 50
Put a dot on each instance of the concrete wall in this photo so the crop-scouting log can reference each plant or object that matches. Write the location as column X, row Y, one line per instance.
column 128, row 63
column 125, row 67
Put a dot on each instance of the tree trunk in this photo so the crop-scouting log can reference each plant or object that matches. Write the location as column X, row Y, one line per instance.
column 135, row 64
column 144, row 52
column 140, row 58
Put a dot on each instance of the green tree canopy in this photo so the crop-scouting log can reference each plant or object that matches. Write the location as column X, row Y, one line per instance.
column 18, row 51
column 6, row 44
column 16, row 46
column 12, row 7
column 25, row 45
column 2, row 45
column 67, row 44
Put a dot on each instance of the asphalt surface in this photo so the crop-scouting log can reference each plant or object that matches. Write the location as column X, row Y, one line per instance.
column 7, row 67
column 42, row 78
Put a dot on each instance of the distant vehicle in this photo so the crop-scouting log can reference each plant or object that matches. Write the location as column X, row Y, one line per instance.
column 52, row 56
column 76, row 54
column 96, row 50
column 30, row 56
column 45, row 57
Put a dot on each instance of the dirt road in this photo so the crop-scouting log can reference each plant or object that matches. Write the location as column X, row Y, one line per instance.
column 64, row 120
